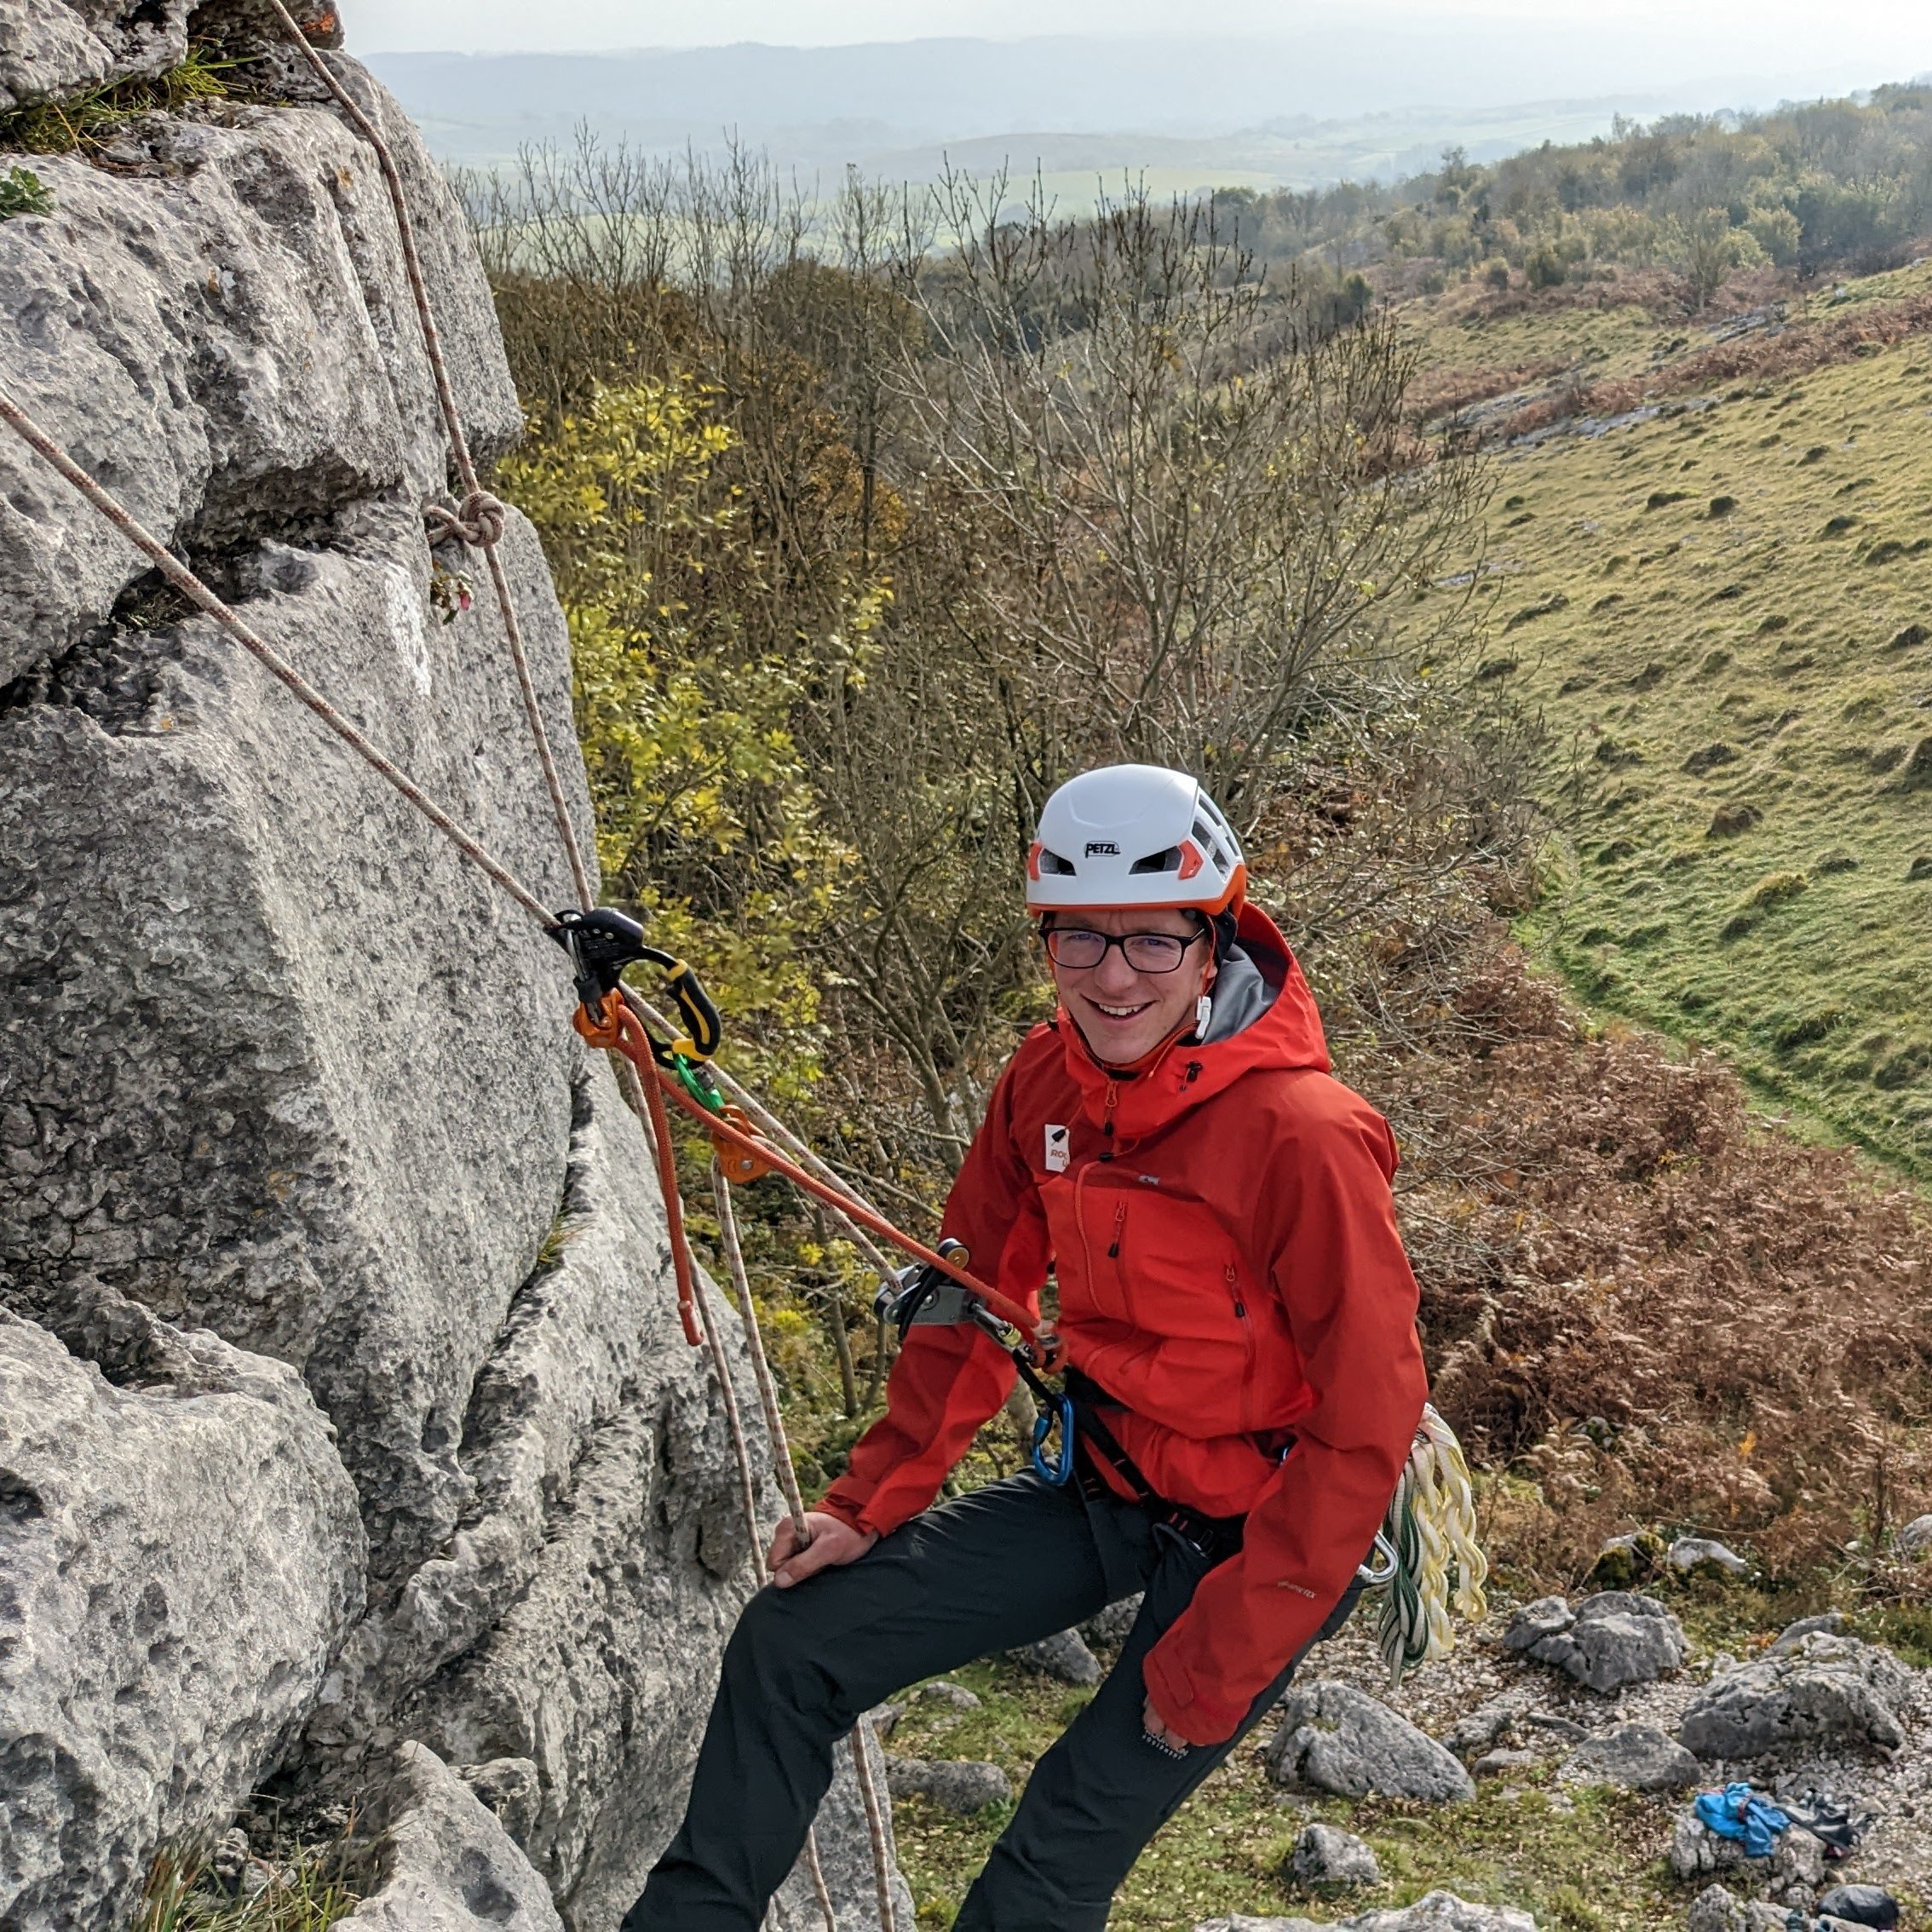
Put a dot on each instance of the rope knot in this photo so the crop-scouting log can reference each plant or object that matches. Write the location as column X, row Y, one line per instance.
column 480, row 521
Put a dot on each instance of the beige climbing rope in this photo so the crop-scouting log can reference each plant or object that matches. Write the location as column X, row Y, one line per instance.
column 199, row 594
column 795, row 1502
column 481, row 520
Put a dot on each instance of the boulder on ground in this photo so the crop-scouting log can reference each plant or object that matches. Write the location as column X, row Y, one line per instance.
column 1915, row 1539
column 1325, row 1854
column 181, row 1554
column 1638, row 1757
column 1695, row 1555
column 1614, row 1638
column 1628, row 1560
column 961, row 1786
column 448, row 1865
column 1491, row 1722
column 1714, row 1910
column 1792, row 1872
column 957, row 1695
column 1439, row 1911
column 1337, row 1739
column 1065, row 1656
column 1111, row 1628
column 1831, row 1622
column 1501, row 1763
column 1827, row 1692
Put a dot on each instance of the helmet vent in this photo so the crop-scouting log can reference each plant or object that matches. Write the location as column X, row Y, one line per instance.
column 1167, row 862
column 1052, row 862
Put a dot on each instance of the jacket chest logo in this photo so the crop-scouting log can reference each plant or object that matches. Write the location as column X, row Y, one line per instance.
column 1056, row 1149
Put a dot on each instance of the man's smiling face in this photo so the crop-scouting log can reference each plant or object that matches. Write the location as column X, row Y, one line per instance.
column 1123, row 1013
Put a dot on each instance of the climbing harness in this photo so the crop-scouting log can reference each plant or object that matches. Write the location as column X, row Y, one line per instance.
column 1430, row 1525
column 1430, row 1530
column 917, row 1297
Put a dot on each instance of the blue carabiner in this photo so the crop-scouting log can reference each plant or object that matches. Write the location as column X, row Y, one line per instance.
column 1057, row 1471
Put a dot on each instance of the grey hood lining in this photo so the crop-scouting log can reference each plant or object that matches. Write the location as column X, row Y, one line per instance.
column 1242, row 994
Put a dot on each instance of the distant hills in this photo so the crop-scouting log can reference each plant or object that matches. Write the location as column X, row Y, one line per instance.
column 1311, row 107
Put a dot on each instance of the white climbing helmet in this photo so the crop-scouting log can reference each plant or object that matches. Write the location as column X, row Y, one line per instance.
column 1133, row 835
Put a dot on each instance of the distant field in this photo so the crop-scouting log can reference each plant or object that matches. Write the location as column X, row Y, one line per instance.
column 1725, row 616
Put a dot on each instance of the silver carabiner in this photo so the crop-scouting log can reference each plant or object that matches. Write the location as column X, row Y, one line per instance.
column 1385, row 1572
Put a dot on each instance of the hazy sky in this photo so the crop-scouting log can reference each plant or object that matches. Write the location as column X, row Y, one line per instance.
column 1894, row 34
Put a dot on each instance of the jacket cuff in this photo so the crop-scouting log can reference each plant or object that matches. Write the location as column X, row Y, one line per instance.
column 1186, row 1712
column 849, row 1510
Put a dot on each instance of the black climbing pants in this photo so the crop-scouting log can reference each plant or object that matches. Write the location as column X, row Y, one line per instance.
column 1005, row 1566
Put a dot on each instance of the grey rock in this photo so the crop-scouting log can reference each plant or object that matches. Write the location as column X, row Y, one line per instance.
column 885, row 1719
column 1500, row 1763
column 1792, row 1872
column 1759, row 1916
column 1065, row 1656
column 50, row 48
column 1547, row 1616
column 510, row 1787
column 1491, row 1722
column 1827, row 1692
column 1111, row 1628
column 1325, row 1854
column 1915, row 1539
column 844, row 1846
column 179, row 1557
column 1830, row 1621
column 1613, row 1639
column 957, row 1695
column 1689, row 1554
column 962, row 1785
column 1638, row 1757
column 1439, row 1911
column 448, row 1865
column 1337, row 1739
column 1714, row 1910
column 1557, row 1727
column 224, row 338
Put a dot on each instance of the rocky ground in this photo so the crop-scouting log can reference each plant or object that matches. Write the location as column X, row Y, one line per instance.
column 1553, row 1805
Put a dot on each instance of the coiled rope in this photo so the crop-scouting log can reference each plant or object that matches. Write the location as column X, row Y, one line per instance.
column 1432, row 1524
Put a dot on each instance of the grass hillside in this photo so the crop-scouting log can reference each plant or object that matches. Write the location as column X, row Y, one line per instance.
column 1723, row 612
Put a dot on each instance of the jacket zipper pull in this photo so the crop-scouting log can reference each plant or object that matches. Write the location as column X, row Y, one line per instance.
column 1106, row 1121
column 1234, row 1289
column 1119, row 1222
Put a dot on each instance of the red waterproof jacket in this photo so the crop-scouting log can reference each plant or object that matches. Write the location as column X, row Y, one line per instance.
column 1221, row 1227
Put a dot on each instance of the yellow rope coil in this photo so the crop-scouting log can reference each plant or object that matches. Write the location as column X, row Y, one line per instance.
column 1431, row 1525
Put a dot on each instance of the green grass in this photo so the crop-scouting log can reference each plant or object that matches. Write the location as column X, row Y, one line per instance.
column 306, row 1891
column 1724, row 615
column 1585, row 1864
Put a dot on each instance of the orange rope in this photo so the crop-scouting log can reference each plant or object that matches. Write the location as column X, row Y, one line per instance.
column 621, row 1028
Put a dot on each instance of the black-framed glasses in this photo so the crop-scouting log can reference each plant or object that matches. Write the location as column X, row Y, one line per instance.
column 1080, row 950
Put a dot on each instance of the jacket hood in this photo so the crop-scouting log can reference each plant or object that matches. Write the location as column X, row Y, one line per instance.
column 1264, row 1016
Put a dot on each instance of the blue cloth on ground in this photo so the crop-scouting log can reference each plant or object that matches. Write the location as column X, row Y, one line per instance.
column 1737, row 1812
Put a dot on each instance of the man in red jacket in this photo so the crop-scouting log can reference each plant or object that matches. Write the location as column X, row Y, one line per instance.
column 1238, row 1319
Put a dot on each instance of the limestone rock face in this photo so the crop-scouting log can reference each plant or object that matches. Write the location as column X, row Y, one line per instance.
column 1339, row 1739
column 179, row 1554
column 276, row 1062
column 223, row 335
column 448, row 1865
